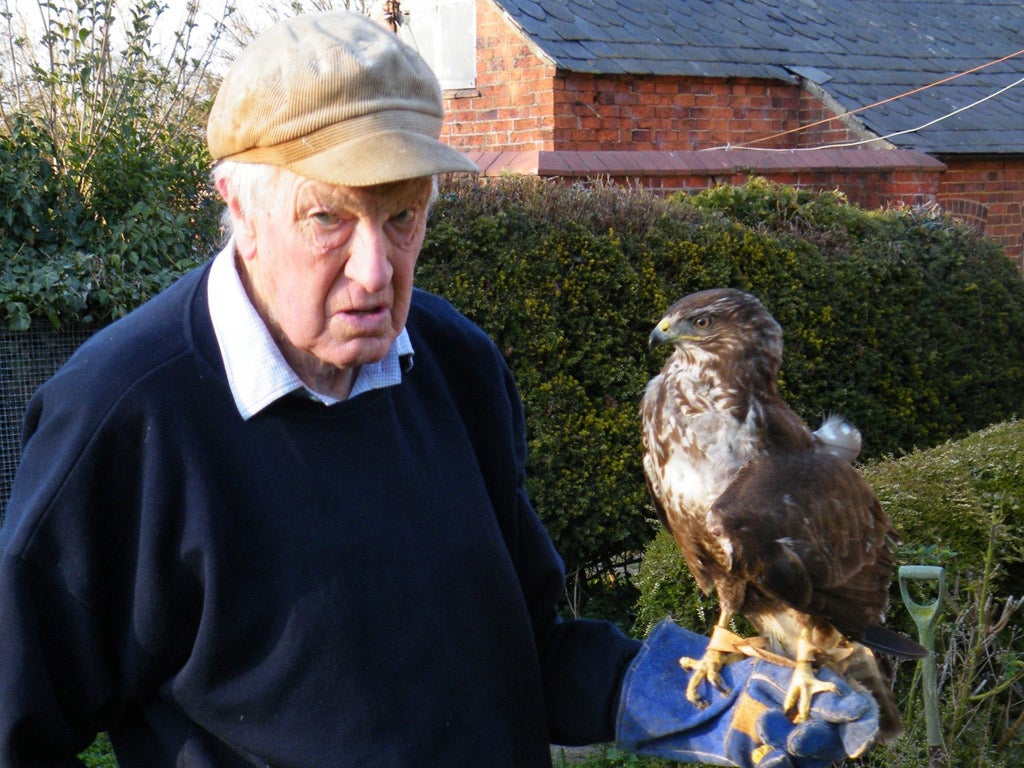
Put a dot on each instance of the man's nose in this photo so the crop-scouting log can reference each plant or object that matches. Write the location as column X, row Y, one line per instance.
column 368, row 262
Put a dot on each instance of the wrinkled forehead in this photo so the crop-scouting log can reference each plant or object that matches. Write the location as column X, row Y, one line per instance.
column 303, row 194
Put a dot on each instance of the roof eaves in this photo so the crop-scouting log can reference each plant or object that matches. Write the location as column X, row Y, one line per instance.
column 526, row 36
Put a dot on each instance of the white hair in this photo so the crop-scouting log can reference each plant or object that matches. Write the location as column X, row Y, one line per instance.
column 251, row 184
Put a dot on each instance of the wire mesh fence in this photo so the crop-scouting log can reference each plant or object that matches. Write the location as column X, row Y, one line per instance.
column 27, row 359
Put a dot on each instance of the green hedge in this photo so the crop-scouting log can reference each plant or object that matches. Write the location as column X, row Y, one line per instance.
column 911, row 326
column 88, row 250
column 945, row 501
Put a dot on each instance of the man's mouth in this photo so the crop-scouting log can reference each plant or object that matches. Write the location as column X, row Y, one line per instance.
column 375, row 312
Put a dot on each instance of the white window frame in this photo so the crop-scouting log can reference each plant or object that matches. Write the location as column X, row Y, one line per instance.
column 444, row 33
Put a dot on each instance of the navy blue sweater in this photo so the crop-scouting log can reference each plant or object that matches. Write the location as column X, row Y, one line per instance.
column 356, row 585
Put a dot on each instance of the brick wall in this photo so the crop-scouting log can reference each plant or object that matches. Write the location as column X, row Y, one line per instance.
column 522, row 102
column 602, row 113
column 819, row 125
column 989, row 195
column 869, row 178
column 512, row 105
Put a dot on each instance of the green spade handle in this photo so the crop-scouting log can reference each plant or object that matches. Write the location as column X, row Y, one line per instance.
column 925, row 616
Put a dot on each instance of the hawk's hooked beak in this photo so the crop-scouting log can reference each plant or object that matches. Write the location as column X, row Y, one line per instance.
column 662, row 334
column 665, row 332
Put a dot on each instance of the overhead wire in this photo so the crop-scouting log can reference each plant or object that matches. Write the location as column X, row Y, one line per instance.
column 927, row 124
column 832, row 118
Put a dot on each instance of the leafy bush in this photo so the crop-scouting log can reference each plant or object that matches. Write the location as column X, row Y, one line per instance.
column 103, row 166
column 553, row 286
column 100, row 754
column 915, row 324
column 607, row 756
column 903, row 321
column 911, row 326
column 949, row 504
column 948, row 500
column 959, row 505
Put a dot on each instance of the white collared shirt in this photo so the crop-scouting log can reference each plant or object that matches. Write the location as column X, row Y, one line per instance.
column 257, row 371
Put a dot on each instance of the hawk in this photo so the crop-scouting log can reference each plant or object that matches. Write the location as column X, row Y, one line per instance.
column 771, row 515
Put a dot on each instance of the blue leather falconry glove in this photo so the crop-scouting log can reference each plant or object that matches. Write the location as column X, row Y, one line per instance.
column 744, row 727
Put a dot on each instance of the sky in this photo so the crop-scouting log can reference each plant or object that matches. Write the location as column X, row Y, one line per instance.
column 29, row 12
column 258, row 13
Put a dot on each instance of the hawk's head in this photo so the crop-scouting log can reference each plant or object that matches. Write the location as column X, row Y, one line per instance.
column 727, row 325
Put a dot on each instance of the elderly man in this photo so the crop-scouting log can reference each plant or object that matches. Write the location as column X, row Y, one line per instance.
column 277, row 515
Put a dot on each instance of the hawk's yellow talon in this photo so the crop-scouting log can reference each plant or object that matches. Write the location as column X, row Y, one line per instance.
column 706, row 668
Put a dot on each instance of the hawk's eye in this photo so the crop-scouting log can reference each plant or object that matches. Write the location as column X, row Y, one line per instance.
column 703, row 322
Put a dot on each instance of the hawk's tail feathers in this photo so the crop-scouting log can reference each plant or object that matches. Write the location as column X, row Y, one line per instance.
column 893, row 643
column 863, row 669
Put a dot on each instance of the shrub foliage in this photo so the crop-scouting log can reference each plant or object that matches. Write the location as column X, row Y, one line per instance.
column 103, row 164
column 903, row 321
column 908, row 324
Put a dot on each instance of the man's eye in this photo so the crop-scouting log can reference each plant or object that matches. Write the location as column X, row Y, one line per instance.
column 323, row 218
column 404, row 217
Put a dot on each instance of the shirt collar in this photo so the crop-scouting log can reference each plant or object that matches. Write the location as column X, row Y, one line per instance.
column 257, row 372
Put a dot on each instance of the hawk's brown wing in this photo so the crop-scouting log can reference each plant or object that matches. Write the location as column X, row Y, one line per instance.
column 806, row 529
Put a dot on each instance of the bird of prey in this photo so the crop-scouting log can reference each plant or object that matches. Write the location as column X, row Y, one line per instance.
column 770, row 514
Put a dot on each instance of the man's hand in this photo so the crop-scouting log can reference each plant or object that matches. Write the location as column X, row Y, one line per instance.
column 743, row 726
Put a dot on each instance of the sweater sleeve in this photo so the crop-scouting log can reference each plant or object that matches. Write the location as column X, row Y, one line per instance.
column 53, row 679
column 582, row 661
column 76, row 593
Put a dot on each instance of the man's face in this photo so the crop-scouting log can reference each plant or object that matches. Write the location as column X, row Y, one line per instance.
column 330, row 269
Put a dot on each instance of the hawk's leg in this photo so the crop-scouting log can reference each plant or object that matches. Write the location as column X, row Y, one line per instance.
column 804, row 684
column 709, row 666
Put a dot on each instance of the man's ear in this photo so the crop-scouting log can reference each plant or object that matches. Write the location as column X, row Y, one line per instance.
column 241, row 222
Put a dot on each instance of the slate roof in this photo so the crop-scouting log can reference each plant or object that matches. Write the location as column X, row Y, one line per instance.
column 859, row 51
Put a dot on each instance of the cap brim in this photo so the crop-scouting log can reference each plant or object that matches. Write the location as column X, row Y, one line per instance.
column 368, row 160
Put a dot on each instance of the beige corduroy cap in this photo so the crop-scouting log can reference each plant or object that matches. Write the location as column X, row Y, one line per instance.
column 333, row 97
